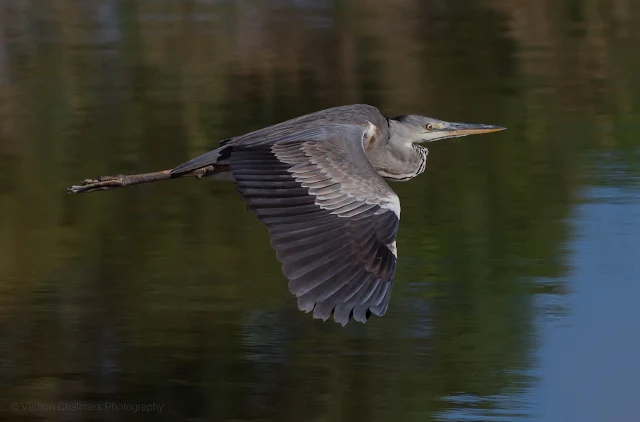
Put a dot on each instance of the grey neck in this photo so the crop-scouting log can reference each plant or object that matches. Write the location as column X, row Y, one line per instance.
column 398, row 159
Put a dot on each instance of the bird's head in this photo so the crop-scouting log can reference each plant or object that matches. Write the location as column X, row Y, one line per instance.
column 419, row 129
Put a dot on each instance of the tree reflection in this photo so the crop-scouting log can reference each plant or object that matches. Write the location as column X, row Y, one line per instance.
column 170, row 292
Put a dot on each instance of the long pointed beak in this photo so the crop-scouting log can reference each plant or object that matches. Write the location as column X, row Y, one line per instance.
column 464, row 129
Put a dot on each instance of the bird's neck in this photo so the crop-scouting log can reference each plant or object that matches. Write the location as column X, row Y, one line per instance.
column 399, row 160
column 421, row 154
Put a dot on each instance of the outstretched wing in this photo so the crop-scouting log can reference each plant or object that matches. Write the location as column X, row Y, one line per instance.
column 332, row 219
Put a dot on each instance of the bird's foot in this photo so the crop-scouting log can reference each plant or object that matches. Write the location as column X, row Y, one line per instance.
column 101, row 183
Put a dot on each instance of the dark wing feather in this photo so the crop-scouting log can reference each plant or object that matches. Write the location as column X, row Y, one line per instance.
column 331, row 218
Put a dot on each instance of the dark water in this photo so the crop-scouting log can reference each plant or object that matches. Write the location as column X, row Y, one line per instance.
column 517, row 291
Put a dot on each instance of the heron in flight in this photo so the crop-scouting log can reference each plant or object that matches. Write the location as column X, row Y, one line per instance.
column 318, row 183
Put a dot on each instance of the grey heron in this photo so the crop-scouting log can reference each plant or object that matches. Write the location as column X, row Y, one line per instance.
column 317, row 182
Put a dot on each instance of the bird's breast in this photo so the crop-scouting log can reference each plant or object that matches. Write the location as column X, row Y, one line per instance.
column 398, row 164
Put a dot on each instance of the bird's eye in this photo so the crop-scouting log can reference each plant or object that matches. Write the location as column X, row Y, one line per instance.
column 429, row 126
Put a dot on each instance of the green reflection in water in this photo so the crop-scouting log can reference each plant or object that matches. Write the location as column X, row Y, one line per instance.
column 170, row 293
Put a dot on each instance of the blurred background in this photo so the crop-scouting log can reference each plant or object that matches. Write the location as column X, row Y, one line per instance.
column 519, row 273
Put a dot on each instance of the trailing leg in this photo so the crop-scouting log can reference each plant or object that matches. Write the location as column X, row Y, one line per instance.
column 120, row 181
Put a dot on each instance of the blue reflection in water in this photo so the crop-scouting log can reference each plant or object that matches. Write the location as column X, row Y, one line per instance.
column 588, row 360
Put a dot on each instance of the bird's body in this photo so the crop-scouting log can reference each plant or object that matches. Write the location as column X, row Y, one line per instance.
column 316, row 182
column 402, row 162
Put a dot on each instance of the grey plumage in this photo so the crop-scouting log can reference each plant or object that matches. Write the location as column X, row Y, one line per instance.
column 317, row 183
column 330, row 225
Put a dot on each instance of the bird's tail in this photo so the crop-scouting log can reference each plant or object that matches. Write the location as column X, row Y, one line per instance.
column 210, row 158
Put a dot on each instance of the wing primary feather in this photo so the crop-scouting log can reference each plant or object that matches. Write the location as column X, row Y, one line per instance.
column 355, row 287
column 303, row 242
column 323, row 310
column 344, row 309
column 282, row 224
column 287, row 257
column 302, row 285
column 260, row 178
column 276, row 192
column 302, row 265
column 247, row 172
column 379, row 297
column 283, row 210
column 321, row 268
column 338, row 282
column 378, row 294
column 269, row 184
column 280, row 203
column 305, row 305
column 313, row 234
column 243, row 166
column 381, row 308
column 368, row 291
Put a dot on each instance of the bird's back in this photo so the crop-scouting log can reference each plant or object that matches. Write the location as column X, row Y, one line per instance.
column 355, row 114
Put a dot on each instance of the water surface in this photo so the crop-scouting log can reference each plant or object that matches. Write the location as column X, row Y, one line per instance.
column 518, row 273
